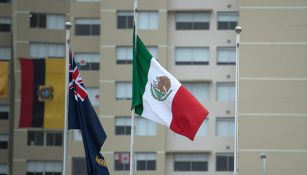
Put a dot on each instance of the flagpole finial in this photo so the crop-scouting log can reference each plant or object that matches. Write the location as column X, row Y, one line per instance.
column 238, row 29
column 68, row 25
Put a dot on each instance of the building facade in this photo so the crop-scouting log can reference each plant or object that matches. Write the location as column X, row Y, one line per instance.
column 196, row 43
column 273, row 116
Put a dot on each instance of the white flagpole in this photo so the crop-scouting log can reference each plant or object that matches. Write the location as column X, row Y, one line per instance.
column 236, row 139
column 133, row 111
column 68, row 27
column 132, row 143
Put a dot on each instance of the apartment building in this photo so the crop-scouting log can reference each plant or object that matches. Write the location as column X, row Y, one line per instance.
column 196, row 43
column 193, row 41
column 5, row 101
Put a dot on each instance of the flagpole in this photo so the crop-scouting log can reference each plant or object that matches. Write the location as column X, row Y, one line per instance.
column 132, row 142
column 68, row 27
column 236, row 139
column 133, row 110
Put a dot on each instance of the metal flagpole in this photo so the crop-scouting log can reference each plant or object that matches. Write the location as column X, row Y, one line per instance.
column 236, row 139
column 132, row 143
column 133, row 111
column 68, row 27
column 263, row 158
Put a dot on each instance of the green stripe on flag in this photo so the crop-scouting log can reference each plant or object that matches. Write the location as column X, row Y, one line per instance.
column 141, row 64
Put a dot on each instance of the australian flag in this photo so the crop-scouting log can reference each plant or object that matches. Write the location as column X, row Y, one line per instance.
column 81, row 115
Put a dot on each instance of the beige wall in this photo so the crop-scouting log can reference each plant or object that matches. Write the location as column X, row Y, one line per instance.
column 273, row 85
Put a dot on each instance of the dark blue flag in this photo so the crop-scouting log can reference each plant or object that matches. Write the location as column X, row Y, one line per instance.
column 81, row 115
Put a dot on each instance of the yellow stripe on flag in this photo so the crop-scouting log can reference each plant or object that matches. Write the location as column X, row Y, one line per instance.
column 4, row 74
column 54, row 109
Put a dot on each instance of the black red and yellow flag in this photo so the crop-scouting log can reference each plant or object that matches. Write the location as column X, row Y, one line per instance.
column 42, row 93
column 4, row 73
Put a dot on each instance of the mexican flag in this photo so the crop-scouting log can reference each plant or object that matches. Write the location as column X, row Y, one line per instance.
column 158, row 96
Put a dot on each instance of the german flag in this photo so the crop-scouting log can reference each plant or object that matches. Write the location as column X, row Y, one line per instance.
column 42, row 93
column 4, row 72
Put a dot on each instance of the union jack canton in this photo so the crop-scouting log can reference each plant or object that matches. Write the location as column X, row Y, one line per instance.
column 75, row 80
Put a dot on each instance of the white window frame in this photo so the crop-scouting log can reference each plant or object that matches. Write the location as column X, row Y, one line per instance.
column 123, row 90
column 190, row 158
column 225, row 91
column 198, row 87
column 225, row 127
column 4, row 169
column 43, row 50
column 94, row 95
column 83, row 59
column 192, row 55
column 226, row 55
column 76, row 135
column 44, row 166
column 203, row 130
column 145, row 127
column 148, row 20
column 55, row 21
column 5, row 53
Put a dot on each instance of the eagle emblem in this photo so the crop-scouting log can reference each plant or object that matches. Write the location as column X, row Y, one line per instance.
column 160, row 88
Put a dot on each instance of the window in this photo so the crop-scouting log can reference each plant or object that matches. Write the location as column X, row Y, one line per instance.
column 5, row 24
column 4, row 112
column 146, row 20
column 44, row 167
column 88, row 61
column 153, row 50
column 4, row 170
column 122, row 161
column 123, row 90
column 38, row 20
column 203, row 129
column 36, row 138
column 124, row 20
column 87, row 27
column 192, row 21
column 225, row 127
column 5, row 53
column 41, row 138
column 226, row 91
column 42, row 50
column 193, row 56
column 4, row 140
column 5, row 1
column 144, row 127
column 124, row 54
column 49, row 21
column 227, row 20
column 77, row 135
column 122, row 126
column 224, row 162
column 191, row 162
column 226, row 55
column 145, row 161
column 199, row 90
column 54, row 139
column 79, row 166
column 93, row 95
column 55, row 21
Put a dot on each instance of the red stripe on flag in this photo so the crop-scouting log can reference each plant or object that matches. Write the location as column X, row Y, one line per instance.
column 188, row 113
column 26, row 109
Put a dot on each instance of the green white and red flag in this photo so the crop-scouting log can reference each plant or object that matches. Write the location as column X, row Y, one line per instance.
column 158, row 96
